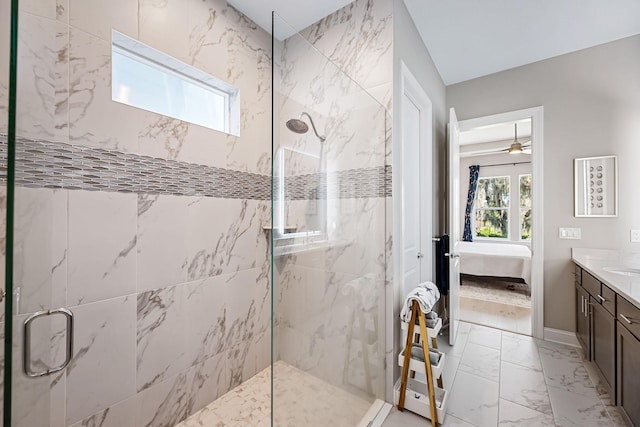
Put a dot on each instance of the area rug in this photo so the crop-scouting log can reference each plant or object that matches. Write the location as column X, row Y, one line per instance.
column 495, row 290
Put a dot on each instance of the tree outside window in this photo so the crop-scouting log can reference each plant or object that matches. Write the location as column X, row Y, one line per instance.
column 525, row 207
column 492, row 207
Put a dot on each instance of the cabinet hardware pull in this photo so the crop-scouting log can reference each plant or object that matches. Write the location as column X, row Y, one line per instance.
column 581, row 304
column 626, row 319
column 601, row 299
column 587, row 304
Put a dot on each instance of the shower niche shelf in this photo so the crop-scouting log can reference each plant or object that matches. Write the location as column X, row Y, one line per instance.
column 300, row 247
column 287, row 229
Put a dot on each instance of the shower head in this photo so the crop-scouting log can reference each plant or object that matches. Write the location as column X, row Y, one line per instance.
column 299, row 126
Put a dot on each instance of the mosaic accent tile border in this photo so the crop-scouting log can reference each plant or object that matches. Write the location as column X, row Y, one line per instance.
column 42, row 164
column 352, row 183
column 57, row 165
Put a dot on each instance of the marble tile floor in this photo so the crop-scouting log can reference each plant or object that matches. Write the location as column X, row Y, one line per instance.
column 300, row 400
column 520, row 381
column 507, row 317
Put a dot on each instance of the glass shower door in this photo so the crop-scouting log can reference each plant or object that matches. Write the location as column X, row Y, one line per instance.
column 5, row 35
column 41, row 172
column 328, row 240
column 145, row 228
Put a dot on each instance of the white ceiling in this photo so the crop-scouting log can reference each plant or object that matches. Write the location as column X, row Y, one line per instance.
column 299, row 14
column 499, row 132
column 473, row 38
column 494, row 139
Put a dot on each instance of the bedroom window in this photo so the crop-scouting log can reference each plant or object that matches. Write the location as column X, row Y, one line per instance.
column 525, row 207
column 492, row 207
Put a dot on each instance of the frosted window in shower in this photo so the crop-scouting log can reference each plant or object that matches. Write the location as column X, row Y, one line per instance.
column 149, row 79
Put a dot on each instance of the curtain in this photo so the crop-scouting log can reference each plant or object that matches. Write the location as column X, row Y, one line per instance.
column 474, row 171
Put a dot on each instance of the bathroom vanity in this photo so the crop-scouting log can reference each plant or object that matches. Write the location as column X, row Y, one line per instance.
column 607, row 287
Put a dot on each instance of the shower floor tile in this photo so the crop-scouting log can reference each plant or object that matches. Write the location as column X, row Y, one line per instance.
column 300, row 400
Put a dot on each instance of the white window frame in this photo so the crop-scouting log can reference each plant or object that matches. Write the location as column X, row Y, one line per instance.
column 144, row 54
column 520, row 209
column 507, row 208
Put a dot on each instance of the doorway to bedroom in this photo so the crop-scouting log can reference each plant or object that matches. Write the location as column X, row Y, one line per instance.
column 497, row 214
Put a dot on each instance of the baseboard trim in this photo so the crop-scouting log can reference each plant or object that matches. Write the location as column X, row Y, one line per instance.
column 561, row 336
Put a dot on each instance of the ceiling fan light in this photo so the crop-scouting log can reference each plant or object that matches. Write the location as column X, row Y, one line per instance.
column 515, row 148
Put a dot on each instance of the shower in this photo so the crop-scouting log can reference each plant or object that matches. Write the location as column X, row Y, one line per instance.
column 299, row 126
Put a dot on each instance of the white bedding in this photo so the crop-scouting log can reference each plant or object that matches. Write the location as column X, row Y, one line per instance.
column 495, row 259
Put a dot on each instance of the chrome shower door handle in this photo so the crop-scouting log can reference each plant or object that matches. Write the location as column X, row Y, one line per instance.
column 27, row 342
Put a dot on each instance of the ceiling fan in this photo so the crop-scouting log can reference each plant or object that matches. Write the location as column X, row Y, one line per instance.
column 518, row 147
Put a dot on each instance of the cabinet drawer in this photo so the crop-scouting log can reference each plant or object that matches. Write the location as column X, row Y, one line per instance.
column 608, row 299
column 578, row 274
column 591, row 284
column 627, row 312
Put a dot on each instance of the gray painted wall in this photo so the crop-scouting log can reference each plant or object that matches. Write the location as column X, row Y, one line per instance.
column 591, row 102
column 409, row 48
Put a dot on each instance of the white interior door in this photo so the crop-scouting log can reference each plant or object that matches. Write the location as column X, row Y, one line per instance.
column 411, row 193
column 454, row 225
column 417, row 219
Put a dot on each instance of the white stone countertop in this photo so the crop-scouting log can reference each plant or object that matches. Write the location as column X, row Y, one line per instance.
column 596, row 260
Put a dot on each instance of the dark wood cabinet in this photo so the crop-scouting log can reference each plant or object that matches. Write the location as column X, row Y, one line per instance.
column 608, row 329
column 582, row 320
column 603, row 342
column 628, row 379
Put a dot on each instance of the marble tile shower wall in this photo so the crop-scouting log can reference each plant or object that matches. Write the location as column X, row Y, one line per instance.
column 327, row 300
column 359, row 38
column 322, row 295
column 170, row 291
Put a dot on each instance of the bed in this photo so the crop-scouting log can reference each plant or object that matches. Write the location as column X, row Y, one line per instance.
column 495, row 260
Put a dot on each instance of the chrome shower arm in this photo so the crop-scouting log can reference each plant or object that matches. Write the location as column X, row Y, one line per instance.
column 313, row 126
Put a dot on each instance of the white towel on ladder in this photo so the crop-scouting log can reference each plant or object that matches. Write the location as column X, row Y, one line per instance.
column 427, row 295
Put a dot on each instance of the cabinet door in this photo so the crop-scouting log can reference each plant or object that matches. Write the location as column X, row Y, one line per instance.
column 628, row 380
column 603, row 342
column 582, row 320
